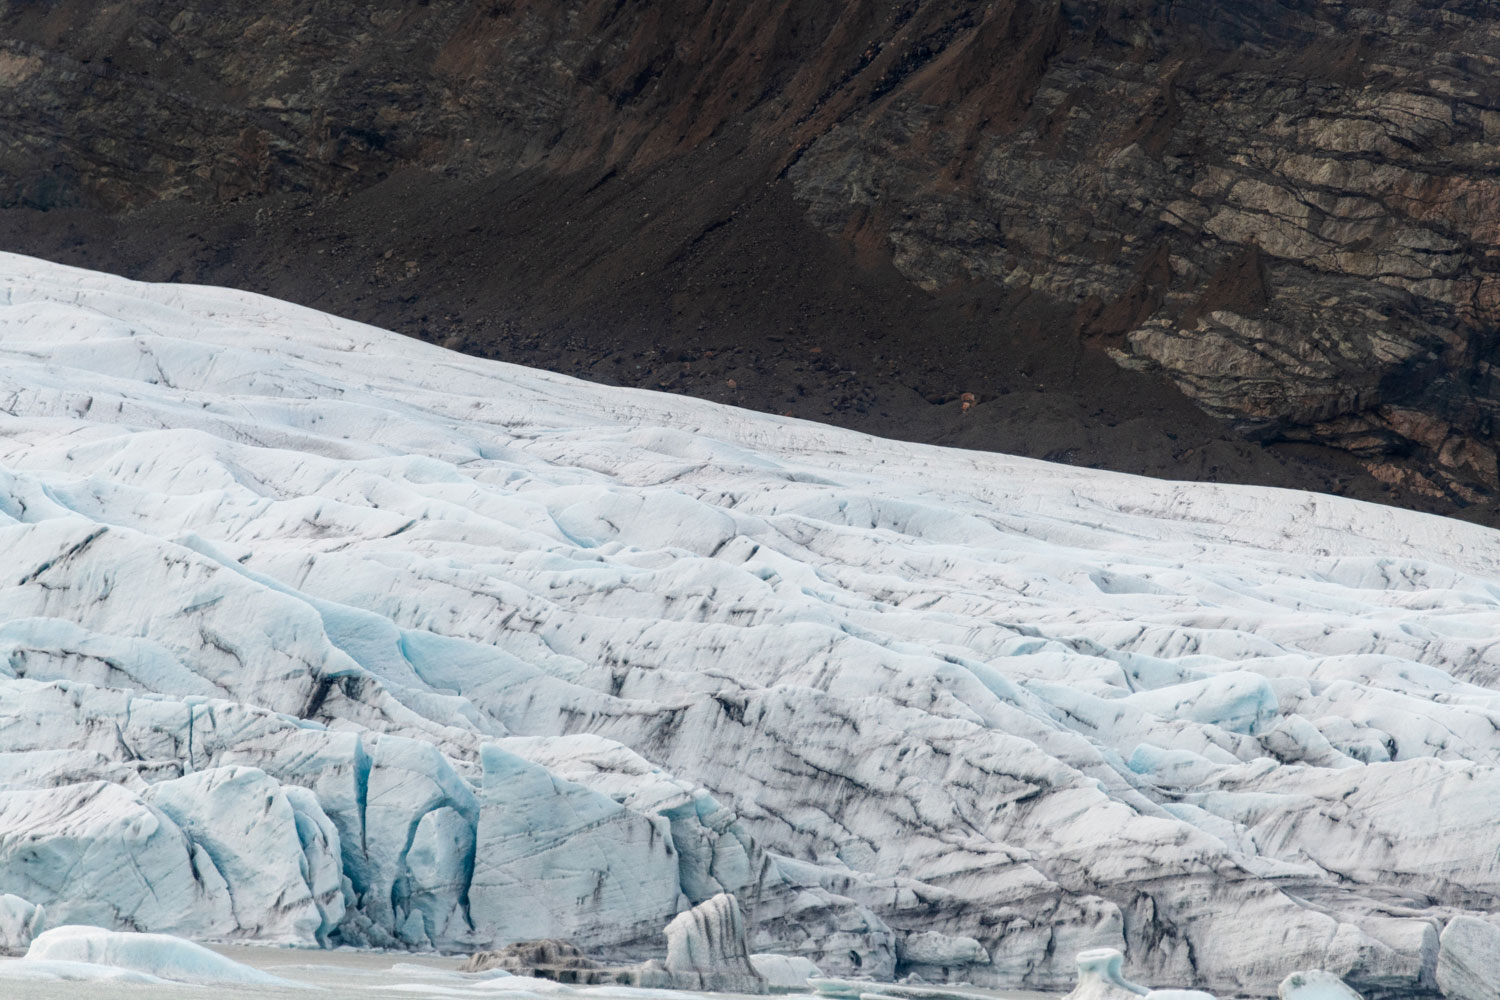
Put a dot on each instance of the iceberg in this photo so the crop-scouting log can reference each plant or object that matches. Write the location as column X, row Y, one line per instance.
column 1315, row 984
column 1100, row 977
column 153, row 957
column 785, row 972
column 706, row 949
column 20, row 921
column 317, row 634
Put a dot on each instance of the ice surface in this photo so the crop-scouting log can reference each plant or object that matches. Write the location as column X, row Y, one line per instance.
column 1101, row 977
column 20, row 921
column 413, row 611
column 160, row 957
column 1314, row 984
column 784, row 972
column 706, row 949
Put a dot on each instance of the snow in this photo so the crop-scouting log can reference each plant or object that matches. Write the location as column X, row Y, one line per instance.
column 316, row 634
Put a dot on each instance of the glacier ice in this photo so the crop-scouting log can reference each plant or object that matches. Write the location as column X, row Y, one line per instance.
column 1315, row 984
column 1468, row 959
column 545, row 845
column 785, row 972
column 1101, row 977
column 158, row 957
column 943, row 951
column 314, row 633
column 246, row 827
column 20, row 921
column 706, row 949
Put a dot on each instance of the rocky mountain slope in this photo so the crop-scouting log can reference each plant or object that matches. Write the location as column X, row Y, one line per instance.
column 310, row 632
column 1210, row 240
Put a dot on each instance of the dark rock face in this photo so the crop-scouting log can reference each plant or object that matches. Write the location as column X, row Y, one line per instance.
column 1284, row 211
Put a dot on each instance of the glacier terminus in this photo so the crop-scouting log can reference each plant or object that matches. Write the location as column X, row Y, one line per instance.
column 316, row 635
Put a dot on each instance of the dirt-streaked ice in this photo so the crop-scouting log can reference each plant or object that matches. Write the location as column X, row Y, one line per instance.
column 312, row 633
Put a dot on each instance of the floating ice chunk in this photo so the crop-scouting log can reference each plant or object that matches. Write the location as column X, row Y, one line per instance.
column 1315, row 984
column 932, row 948
column 1100, row 977
column 1179, row 995
column 20, row 921
column 906, row 991
column 46, row 971
column 784, row 972
column 1468, row 961
column 159, row 955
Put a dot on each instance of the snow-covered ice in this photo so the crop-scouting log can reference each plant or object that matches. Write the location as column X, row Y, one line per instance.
column 308, row 630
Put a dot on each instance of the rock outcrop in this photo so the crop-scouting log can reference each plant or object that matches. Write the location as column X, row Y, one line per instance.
column 1285, row 213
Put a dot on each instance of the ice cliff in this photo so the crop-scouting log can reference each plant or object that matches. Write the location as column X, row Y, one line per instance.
column 312, row 633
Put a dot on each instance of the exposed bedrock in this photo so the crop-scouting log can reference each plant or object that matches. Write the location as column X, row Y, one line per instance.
column 1286, row 211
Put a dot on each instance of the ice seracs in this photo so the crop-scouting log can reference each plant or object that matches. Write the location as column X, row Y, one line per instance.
column 918, row 710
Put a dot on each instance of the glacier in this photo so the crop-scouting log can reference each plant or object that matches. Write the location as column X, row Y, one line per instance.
column 314, row 634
